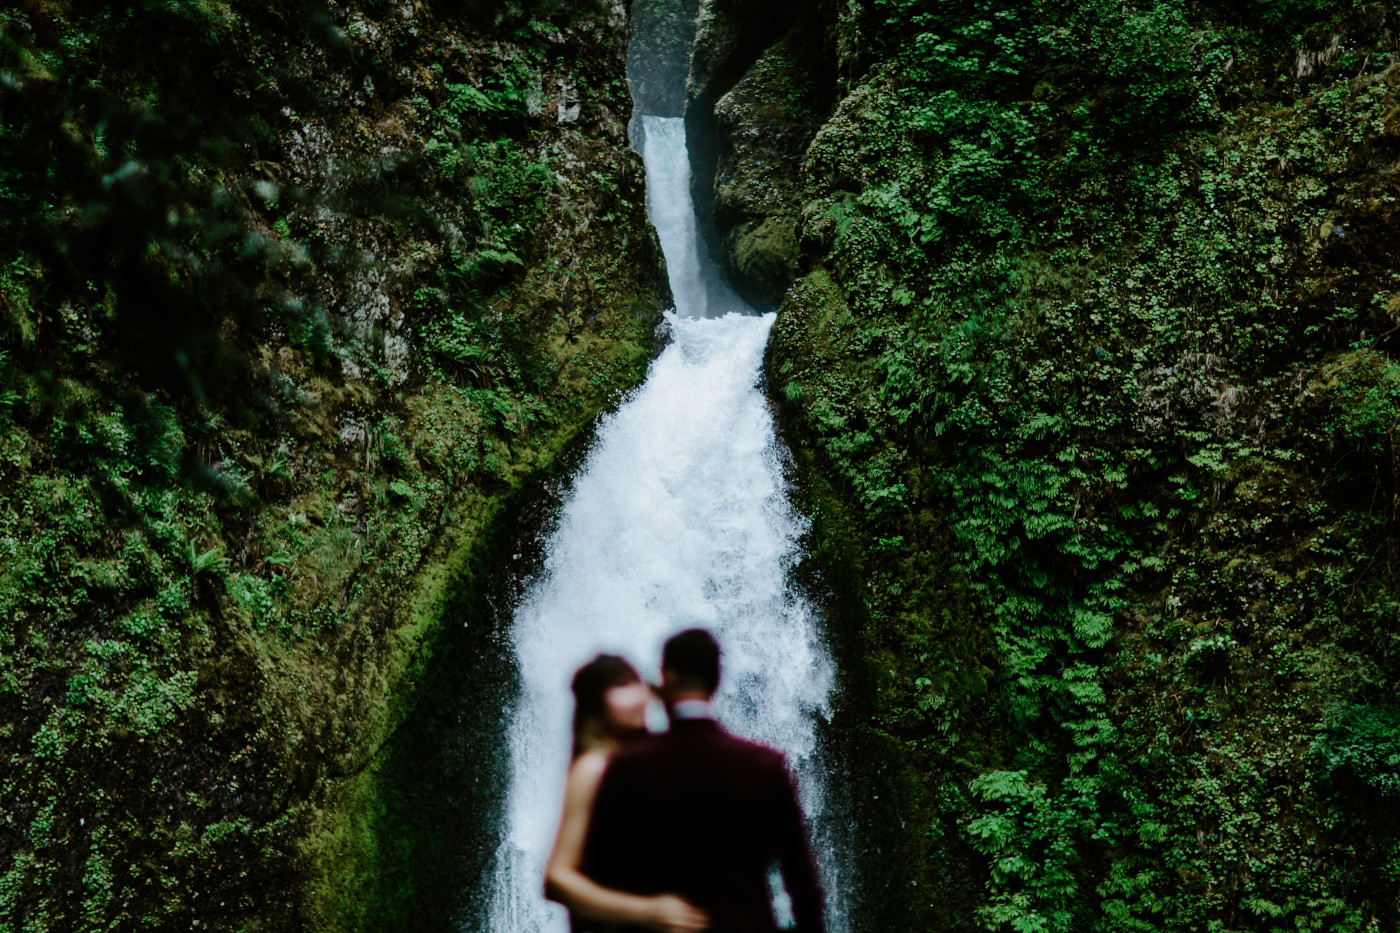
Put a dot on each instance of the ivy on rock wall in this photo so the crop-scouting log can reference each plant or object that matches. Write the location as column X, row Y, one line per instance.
column 1089, row 358
column 292, row 298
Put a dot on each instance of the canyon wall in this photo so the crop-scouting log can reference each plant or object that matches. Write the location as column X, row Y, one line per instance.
column 293, row 303
column 1085, row 346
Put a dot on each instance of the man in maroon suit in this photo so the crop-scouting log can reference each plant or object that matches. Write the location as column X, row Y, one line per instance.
column 700, row 813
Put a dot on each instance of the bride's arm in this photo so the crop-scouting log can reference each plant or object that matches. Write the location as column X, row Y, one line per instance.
column 563, row 882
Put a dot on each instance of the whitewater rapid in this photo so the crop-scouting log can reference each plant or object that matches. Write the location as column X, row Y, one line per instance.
column 679, row 516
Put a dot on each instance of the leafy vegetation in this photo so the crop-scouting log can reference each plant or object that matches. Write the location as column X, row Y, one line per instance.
column 1359, row 745
column 293, row 298
column 1091, row 348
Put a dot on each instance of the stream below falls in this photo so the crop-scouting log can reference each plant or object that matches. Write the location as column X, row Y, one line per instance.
column 678, row 516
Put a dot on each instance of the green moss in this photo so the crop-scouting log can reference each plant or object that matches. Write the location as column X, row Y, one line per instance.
column 764, row 250
column 764, row 123
column 1073, row 383
column 237, row 536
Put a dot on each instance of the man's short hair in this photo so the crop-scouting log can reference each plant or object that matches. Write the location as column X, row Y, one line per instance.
column 692, row 657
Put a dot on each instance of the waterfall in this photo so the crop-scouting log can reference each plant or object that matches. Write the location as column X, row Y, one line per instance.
column 673, row 212
column 679, row 516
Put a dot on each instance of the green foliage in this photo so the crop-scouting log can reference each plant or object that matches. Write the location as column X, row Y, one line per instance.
column 15, row 299
column 1065, row 288
column 464, row 100
column 231, row 461
column 1366, row 400
column 207, row 563
column 1360, row 747
column 1289, row 13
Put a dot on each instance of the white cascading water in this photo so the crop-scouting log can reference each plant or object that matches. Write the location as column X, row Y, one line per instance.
column 673, row 214
column 678, row 517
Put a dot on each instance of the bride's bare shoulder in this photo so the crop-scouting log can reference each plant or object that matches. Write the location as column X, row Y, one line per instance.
column 587, row 770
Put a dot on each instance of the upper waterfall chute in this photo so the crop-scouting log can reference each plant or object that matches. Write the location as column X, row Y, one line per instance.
column 700, row 290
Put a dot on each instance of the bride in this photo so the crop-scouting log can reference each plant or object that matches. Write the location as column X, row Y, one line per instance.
column 610, row 702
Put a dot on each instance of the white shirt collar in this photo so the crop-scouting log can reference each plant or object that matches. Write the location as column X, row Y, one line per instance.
column 693, row 709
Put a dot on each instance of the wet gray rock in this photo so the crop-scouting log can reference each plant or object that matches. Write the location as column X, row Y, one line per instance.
column 658, row 59
column 762, row 126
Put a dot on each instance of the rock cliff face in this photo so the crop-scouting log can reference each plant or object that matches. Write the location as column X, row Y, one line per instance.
column 763, row 79
column 1088, row 363
column 763, row 126
column 658, row 57
column 295, row 300
column 730, row 37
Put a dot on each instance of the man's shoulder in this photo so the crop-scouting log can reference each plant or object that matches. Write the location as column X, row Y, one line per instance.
column 634, row 752
column 754, row 751
column 712, row 740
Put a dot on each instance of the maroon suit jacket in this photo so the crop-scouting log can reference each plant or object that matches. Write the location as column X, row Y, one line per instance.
column 700, row 813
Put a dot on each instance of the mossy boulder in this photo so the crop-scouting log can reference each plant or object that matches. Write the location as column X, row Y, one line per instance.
column 765, row 124
column 760, row 257
column 730, row 36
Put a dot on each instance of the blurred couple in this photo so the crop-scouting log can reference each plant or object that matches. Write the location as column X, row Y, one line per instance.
column 674, row 832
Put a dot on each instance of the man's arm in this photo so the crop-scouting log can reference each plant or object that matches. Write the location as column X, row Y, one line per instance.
column 795, row 858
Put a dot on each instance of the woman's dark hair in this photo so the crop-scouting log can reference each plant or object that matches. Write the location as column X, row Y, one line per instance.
column 692, row 657
column 591, row 685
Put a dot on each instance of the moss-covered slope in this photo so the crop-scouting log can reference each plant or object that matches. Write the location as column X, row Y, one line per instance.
column 1089, row 362
column 294, row 298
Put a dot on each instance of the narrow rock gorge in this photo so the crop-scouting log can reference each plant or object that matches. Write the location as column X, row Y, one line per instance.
column 1077, row 526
